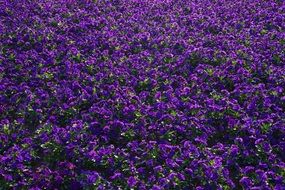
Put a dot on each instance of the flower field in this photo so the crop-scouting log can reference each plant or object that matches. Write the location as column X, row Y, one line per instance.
column 142, row 94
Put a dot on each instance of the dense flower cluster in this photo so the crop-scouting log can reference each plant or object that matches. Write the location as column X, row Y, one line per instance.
column 142, row 94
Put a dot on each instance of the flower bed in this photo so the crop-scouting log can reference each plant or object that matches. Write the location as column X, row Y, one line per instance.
column 151, row 94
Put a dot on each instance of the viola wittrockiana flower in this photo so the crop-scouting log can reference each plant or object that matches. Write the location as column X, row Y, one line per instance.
column 150, row 94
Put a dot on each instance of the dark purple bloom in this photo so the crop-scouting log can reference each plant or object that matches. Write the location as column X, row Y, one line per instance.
column 132, row 181
column 245, row 182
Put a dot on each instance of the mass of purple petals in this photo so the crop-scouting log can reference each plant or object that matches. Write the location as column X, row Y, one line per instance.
column 142, row 94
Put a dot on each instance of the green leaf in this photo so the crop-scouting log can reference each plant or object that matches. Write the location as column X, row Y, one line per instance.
column 263, row 31
column 6, row 129
column 265, row 127
column 210, row 72
column 138, row 114
column 130, row 134
column 173, row 112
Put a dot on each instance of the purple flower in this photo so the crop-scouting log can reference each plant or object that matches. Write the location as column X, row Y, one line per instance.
column 156, row 187
column 132, row 181
column 92, row 177
column 245, row 182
